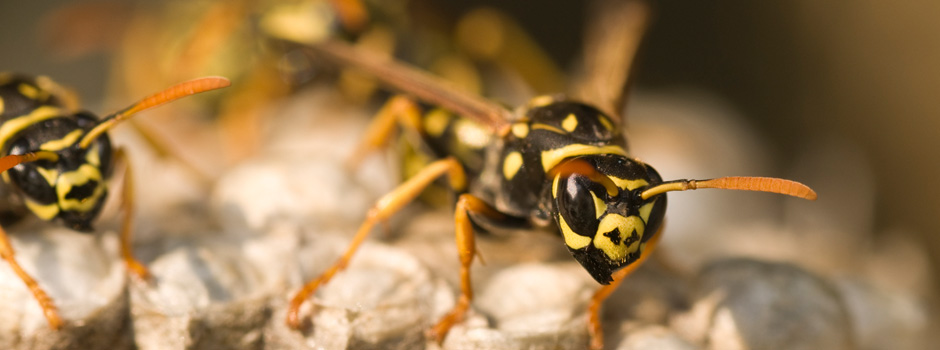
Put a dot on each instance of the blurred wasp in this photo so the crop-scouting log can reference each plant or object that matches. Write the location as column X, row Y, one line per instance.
column 159, row 42
column 56, row 162
column 554, row 164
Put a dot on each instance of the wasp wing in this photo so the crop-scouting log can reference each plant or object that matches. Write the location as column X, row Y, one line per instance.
column 613, row 34
column 412, row 81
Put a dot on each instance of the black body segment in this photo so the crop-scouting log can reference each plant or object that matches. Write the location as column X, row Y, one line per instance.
column 605, row 229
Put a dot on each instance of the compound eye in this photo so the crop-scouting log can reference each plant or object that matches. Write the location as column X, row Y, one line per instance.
column 576, row 204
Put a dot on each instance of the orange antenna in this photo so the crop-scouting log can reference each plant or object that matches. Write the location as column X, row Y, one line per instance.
column 760, row 184
column 10, row 161
column 174, row 92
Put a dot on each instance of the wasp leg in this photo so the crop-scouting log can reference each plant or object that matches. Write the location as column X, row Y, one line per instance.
column 398, row 110
column 466, row 204
column 385, row 207
column 127, row 199
column 45, row 302
column 594, row 322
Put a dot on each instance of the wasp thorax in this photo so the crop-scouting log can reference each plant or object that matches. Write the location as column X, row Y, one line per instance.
column 604, row 221
column 72, row 188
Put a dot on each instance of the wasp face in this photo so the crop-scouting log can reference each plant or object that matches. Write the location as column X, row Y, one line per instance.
column 606, row 226
column 73, row 188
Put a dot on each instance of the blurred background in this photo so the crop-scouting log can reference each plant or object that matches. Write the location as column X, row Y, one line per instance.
column 806, row 74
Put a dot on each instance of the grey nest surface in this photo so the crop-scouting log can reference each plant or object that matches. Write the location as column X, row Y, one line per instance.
column 735, row 270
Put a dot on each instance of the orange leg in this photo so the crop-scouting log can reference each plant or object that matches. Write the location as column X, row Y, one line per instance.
column 398, row 110
column 45, row 302
column 127, row 252
column 384, row 208
column 594, row 321
column 466, row 204
column 6, row 248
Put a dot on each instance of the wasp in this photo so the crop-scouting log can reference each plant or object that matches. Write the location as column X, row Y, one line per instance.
column 56, row 163
column 556, row 163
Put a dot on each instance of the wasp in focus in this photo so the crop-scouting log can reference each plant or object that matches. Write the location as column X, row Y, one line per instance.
column 555, row 164
column 56, row 162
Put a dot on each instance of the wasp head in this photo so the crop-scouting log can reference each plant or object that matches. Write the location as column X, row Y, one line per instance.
column 70, row 189
column 603, row 218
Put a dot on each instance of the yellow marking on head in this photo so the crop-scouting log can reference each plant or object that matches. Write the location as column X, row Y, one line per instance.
column 92, row 157
column 67, row 140
column 51, row 175
column 599, row 206
column 541, row 101
column 554, row 186
column 572, row 240
column 625, row 227
column 15, row 125
column 43, row 211
column 2, row 107
column 540, row 126
column 552, row 157
column 6, row 176
column 512, row 164
column 606, row 123
column 78, row 177
column 435, row 122
column 471, row 134
column 628, row 185
column 646, row 209
column 29, row 91
column 520, row 130
column 570, row 123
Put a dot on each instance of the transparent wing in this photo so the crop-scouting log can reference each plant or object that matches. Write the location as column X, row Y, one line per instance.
column 614, row 31
column 412, row 81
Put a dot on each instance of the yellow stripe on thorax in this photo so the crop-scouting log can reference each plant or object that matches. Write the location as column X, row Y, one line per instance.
column 540, row 126
column 15, row 125
column 30, row 91
column 67, row 140
column 551, row 158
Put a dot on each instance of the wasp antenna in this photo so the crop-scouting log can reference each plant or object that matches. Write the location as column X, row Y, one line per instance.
column 10, row 161
column 172, row 93
column 744, row 183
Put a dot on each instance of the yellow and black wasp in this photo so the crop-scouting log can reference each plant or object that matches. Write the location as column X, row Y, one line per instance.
column 56, row 163
column 555, row 164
